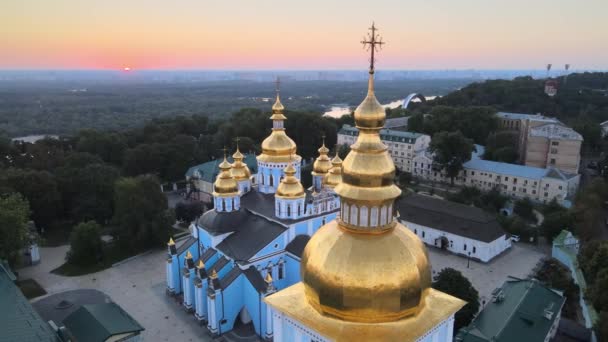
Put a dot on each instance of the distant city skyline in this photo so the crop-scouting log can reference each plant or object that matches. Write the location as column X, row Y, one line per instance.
column 311, row 35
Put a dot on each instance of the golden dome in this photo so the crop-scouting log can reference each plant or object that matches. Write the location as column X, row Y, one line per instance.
column 225, row 184
column 322, row 164
column 240, row 171
column 290, row 186
column 277, row 147
column 365, row 277
column 334, row 177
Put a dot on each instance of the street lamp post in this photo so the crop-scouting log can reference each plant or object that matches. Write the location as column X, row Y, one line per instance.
column 468, row 259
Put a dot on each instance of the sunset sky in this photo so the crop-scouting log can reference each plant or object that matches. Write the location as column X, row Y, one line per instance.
column 309, row 34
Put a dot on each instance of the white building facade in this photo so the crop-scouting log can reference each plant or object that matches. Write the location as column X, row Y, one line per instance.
column 402, row 146
column 454, row 227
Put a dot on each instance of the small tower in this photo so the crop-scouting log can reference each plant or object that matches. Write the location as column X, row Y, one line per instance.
column 334, row 176
column 277, row 150
column 240, row 172
column 290, row 196
column 320, row 167
column 172, row 269
column 225, row 190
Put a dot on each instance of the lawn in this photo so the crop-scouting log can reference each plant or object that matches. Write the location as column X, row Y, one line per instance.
column 112, row 254
column 30, row 288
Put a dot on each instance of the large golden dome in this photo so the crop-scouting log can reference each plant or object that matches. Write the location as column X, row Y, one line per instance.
column 277, row 147
column 290, row 186
column 239, row 170
column 225, row 184
column 365, row 277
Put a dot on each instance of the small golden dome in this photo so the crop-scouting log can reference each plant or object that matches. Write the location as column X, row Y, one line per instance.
column 290, row 186
column 240, row 171
column 334, row 177
column 365, row 277
column 322, row 164
column 225, row 184
column 277, row 147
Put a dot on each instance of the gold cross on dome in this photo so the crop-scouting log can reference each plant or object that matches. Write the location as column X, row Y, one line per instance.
column 277, row 84
column 374, row 43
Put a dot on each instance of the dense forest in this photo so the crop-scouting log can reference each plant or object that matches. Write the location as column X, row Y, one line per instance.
column 53, row 107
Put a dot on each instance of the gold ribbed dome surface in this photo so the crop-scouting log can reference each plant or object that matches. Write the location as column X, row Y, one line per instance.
column 240, row 171
column 290, row 186
column 365, row 277
column 334, row 177
column 225, row 184
column 322, row 164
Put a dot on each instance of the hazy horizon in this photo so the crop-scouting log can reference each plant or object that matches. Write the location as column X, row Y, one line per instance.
column 312, row 35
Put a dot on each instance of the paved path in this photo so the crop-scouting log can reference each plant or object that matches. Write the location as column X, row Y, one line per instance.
column 519, row 262
column 137, row 285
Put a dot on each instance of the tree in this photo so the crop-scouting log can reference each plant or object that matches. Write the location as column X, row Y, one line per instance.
column 597, row 291
column 554, row 223
column 557, row 276
column 593, row 258
column 140, row 214
column 189, row 211
column 524, row 208
column 416, row 123
column 41, row 190
column 451, row 150
column 500, row 147
column 14, row 213
column 452, row 282
column 86, row 247
column 601, row 327
column 405, row 178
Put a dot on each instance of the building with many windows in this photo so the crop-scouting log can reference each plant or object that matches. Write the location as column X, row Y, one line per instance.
column 517, row 181
column 544, row 141
column 455, row 227
column 402, row 146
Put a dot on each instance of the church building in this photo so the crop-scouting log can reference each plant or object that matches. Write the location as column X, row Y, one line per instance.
column 250, row 244
column 364, row 276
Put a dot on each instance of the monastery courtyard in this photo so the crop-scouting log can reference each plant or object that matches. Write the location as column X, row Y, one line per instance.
column 138, row 285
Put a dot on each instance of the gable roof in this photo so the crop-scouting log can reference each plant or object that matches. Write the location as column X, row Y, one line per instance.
column 255, row 278
column 451, row 217
column 250, row 237
column 18, row 319
column 98, row 322
column 524, row 310
column 209, row 170
column 296, row 246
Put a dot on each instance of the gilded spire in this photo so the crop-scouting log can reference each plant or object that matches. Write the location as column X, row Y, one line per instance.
column 268, row 278
column 213, row 274
column 290, row 186
column 277, row 107
column 225, row 184
column 322, row 164
column 368, row 171
column 239, row 170
column 188, row 255
column 171, row 242
column 334, row 177
column 201, row 264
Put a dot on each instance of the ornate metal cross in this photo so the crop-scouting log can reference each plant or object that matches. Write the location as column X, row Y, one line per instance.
column 373, row 42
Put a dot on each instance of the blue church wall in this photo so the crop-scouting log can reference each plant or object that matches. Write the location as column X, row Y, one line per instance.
column 203, row 237
column 292, row 269
column 233, row 301
column 279, row 242
column 301, row 228
column 255, row 307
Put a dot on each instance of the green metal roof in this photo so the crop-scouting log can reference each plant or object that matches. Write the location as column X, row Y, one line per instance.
column 210, row 169
column 98, row 322
column 385, row 134
column 18, row 319
column 521, row 310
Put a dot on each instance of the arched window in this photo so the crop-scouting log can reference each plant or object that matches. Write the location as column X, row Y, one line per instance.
column 354, row 215
column 345, row 212
column 364, row 219
column 223, row 204
column 383, row 211
column 373, row 217
column 288, row 210
column 270, row 180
